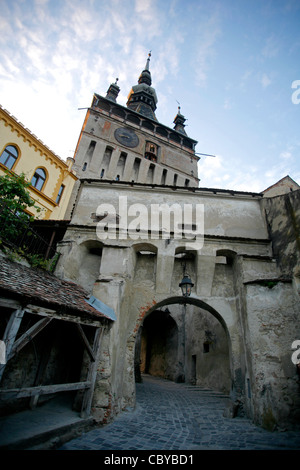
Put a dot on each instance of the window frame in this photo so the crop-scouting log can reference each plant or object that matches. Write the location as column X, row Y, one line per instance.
column 59, row 194
column 10, row 155
column 36, row 185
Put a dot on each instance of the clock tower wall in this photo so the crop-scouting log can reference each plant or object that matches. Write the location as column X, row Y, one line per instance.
column 113, row 147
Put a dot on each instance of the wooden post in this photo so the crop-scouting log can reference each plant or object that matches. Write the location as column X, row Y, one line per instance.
column 92, row 374
column 10, row 334
column 42, row 369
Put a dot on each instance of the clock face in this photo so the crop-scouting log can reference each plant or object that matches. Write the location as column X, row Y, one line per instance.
column 126, row 137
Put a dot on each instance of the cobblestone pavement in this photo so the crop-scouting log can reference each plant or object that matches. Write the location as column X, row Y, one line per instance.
column 171, row 416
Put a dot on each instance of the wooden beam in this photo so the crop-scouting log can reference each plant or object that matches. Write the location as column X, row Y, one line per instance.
column 92, row 374
column 28, row 335
column 34, row 309
column 9, row 303
column 42, row 390
column 85, row 342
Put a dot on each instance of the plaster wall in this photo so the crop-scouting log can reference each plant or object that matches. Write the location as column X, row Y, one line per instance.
column 230, row 216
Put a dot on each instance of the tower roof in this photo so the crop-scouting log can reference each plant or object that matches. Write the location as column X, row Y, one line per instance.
column 142, row 97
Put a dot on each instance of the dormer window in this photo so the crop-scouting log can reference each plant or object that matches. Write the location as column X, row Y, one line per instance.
column 151, row 151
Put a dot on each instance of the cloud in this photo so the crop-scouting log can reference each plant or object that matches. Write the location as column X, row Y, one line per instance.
column 271, row 47
column 285, row 155
column 205, row 48
column 265, row 80
column 227, row 104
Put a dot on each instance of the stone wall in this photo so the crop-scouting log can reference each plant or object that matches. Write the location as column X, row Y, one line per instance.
column 273, row 325
column 283, row 219
column 229, row 339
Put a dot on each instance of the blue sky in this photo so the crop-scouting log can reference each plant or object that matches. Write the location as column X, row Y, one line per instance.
column 230, row 64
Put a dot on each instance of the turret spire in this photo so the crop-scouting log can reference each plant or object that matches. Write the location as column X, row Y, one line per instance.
column 179, row 121
column 113, row 91
column 145, row 76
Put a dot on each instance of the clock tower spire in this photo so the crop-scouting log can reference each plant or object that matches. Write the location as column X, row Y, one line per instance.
column 142, row 97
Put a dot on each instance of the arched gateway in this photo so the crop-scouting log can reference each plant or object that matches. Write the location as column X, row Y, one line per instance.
column 184, row 340
column 138, row 219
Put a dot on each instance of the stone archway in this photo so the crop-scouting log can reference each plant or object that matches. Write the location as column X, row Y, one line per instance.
column 199, row 353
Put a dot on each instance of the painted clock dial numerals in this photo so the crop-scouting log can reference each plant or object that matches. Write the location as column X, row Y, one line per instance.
column 126, row 137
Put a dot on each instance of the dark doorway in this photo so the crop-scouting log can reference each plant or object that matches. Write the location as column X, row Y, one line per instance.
column 157, row 348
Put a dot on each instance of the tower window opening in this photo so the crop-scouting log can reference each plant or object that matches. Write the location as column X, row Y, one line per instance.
column 206, row 348
column 90, row 150
column 102, row 173
column 84, row 166
column 151, row 152
column 164, row 177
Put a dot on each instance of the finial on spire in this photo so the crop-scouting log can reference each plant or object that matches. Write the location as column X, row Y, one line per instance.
column 148, row 62
column 116, row 82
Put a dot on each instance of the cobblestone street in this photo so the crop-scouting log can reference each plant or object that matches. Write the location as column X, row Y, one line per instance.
column 171, row 416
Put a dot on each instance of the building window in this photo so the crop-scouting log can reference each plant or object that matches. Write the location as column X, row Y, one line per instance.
column 9, row 156
column 164, row 177
column 151, row 151
column 38, row 179
column 61, row 190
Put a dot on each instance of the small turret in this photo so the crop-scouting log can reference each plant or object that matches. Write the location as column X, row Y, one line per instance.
column 179, row 122
column 113, row 91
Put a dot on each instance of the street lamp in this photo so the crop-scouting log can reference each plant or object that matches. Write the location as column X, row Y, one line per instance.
column 186, row 286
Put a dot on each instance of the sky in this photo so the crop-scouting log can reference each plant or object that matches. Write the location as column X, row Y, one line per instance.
column 232, row 65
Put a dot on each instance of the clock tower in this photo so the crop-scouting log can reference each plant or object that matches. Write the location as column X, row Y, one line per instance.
column 139, row 222
column 128, row 143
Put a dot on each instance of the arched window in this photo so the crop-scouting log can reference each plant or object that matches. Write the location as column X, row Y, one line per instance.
column 9, row 156
column 38, row 179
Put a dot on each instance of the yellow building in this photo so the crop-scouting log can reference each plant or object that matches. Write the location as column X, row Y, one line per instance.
column 51, row 178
